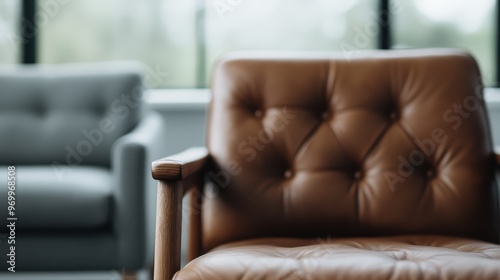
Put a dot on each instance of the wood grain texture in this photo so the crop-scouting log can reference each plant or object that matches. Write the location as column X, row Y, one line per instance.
column 128, row 275
column 195, row 212
column 168, row 230
column 180, row 166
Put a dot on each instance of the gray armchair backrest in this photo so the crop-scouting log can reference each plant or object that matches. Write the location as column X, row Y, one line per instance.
column 67, row 114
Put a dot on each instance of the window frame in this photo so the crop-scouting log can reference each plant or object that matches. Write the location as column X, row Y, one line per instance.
column 29, row 44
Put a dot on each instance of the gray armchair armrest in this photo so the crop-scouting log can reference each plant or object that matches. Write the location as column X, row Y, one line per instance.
column 133, row 192
column 497, row 198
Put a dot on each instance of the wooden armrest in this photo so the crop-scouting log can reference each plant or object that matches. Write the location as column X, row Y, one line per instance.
column 177, row 175
column 180, row 166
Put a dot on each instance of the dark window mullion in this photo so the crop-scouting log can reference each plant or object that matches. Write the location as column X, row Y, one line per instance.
column 384, row 39
column 497, row 45
column 28, row 32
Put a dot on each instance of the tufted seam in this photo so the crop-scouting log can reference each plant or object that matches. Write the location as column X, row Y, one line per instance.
column 408, row 134
column 342, row 149
column 412, row 140
column 355, row 189
column 421, row 201
column 260, row 123
column 443, row 187
column 306, row 139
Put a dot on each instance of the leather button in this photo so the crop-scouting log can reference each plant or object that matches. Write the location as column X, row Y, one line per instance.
column 325, row 115
column 288, row 174
column 393, row 116
column 258, row 113
column 357, row 174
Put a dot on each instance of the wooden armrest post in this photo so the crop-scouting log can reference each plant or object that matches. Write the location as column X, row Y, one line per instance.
column 168, row 231
column 176, row 175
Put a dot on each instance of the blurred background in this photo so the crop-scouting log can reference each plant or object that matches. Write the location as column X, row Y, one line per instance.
column 185, row 37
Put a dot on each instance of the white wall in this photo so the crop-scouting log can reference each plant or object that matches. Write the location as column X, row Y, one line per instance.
column 184, row 112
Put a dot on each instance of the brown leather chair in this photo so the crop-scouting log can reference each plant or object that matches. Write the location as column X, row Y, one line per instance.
column 320, row 167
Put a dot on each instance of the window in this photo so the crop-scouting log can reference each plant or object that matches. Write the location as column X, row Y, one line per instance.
column 184, row 38
column 449, row 23
column 9, row 43
column 157, row 32
column 316, row 25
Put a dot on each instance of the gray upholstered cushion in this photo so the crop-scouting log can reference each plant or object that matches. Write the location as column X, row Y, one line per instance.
column 68, row 114
column 44, row 202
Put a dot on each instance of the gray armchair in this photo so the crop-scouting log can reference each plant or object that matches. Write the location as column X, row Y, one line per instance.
column 81, row 144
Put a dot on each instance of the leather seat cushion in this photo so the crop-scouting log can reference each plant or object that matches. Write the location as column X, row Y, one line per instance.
column 399, row 257
column 79, row 199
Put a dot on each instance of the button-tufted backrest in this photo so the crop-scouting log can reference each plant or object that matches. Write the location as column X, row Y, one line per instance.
column 67, row 115
column 382, row 143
